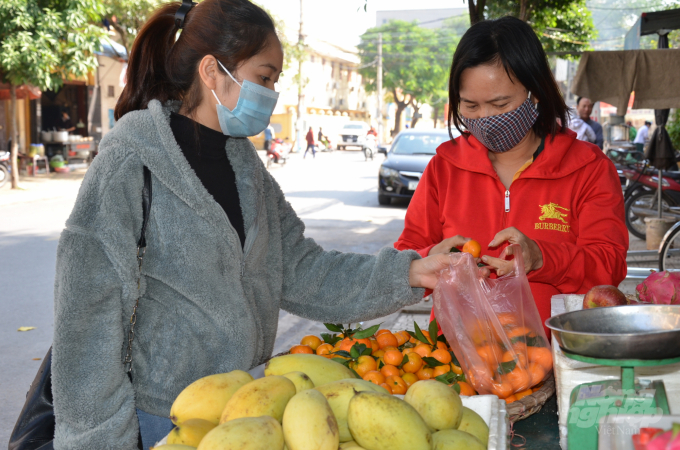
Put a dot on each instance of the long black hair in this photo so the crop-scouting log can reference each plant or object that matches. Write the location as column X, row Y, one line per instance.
column 164, row 67
column 513, row 44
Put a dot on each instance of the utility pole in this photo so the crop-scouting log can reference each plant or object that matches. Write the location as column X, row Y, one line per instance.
column 301, row 98
column 380, row 88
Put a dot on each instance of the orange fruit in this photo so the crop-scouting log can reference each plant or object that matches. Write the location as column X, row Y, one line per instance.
column 415, row 362
column 324, row 349
column 374, row 345
column 347, row 343
column 425, row 373
column 397, row 384
column 521, row 395
column 379, row 332
column 302, row 349
column 536, row 372
column 409, row 379
column 406, row 351
column 507, row 319
column 413, row 340
column 540, row 355
column 374, row 377
column 404, row 333
column 365, row 364
column 510, row 399
column 387, row 340
column 393, row 357
column 401, row 340
column 378, row 354
column 423, row 350
column 312, row 341
column 472, row 247
column 520, row 358
column 387, row 386
column 401, row 372
column 442, row 356
column 491, row 354
column 456, row 369
column 442, row 346
column 389, row 370
column 466, row 389
column 517, row 331
column 519, row 378
column 441, row 370
column 389, row 347
column 503, row 389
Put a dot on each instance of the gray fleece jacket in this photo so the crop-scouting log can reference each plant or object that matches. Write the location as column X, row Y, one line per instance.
column 207, row 306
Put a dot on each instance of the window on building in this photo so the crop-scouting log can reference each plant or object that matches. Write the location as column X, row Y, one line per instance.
column 342, row 102
column 111, row 92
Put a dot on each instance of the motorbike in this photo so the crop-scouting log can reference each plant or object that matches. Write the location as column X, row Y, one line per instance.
column 370, row 147
column 5, row 167
column 642, row 200
column 324, row 145
column 278, row 152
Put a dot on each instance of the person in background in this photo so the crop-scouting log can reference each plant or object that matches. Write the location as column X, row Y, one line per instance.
column 642, row 136
column 268, row 137
column 582, row 129
column 632, row 131
column 372, row 132
column 584, row 107
column 310, row 143
column 65, row 123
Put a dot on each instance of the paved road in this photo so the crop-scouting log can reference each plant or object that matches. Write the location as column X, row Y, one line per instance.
column 335, row 195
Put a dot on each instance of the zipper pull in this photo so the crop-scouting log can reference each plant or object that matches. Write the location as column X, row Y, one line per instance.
column 507, row 200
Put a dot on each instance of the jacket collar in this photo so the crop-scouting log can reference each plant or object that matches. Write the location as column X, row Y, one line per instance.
column 172, row 169
column 562, row 155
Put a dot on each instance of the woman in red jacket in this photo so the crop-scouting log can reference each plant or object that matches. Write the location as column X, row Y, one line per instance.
column 516, row 175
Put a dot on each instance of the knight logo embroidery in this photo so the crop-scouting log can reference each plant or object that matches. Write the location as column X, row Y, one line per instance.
column 555, row 212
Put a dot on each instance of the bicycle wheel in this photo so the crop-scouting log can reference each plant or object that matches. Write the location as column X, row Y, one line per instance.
column 643, row 200
column 669, row 254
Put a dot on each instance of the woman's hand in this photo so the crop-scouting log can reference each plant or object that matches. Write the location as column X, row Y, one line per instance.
column 425, row 272
column 446, row 245
column 531, row 253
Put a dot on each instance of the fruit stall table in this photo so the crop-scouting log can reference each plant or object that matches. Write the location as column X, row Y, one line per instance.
column 539, row 431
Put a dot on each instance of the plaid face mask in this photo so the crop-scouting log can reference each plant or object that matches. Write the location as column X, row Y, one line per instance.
column 502, row 132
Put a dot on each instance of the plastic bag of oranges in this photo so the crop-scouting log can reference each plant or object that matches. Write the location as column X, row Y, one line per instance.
column 493, row 326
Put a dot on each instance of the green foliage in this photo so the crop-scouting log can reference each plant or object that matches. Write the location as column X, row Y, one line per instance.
column 128, row 16
column 673, row 128
column 562, row 25
column 45, row 41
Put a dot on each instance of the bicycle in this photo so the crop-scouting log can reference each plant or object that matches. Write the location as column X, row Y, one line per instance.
column 669, row 251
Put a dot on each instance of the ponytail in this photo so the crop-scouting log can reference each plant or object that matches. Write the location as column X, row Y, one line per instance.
column 146, row 77
column 160, row 68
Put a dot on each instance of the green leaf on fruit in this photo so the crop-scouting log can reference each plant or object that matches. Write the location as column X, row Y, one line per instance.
column 330, row 338
column 454, row 360
column 454, row 250
column 507, row 367
column 442, row 338
column 380, row 364
column 432, row 362
column 354, row 352
column 456, row 387
column 536, row 341
column 354, row 372
column 368, row 332
column 344, row 362
column 419, row 334
column 433, row 329
column 334, row 327
column 342, row 353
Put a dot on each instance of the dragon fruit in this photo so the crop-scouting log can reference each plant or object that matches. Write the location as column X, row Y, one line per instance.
column 670, row 440
column 662, row 288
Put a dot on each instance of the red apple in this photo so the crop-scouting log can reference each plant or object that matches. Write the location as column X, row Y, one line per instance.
column 604, row 296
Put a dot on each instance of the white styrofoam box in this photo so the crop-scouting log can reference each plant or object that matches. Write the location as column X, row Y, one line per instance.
column 569, row 373
column 489, row 407
column 616, row 431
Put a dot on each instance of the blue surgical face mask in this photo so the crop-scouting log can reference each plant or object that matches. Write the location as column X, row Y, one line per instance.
column 253, row 110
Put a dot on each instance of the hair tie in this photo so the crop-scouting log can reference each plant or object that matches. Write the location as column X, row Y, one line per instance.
column 181, row 13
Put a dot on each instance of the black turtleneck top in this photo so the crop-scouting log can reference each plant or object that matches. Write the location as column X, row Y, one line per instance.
column 204, row 148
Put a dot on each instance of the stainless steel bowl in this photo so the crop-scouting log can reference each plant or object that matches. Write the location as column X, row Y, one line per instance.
column 620, row 332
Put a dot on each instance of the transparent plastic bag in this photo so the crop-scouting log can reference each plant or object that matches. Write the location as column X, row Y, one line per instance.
column 493, row 326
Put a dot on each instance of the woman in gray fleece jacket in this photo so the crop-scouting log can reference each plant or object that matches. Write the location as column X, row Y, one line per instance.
column 208, row 302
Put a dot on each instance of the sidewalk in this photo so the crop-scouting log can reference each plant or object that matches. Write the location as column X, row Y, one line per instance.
column 42, row 187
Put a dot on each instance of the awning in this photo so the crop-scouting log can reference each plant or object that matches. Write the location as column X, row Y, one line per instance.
column 112, row 49
column 611, row 76
column 22, row 91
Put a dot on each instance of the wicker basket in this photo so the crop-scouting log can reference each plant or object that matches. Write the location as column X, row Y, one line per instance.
column 526, row 406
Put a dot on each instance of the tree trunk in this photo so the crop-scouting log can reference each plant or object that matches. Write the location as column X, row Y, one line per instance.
column 14, row 135
column 122, row 33
column 401, row 106
column 416, row 110
column 523, row 10
column 436, row 115
column 476, row 11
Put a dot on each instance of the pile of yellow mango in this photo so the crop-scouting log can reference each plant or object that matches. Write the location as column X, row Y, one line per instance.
column 308, row 402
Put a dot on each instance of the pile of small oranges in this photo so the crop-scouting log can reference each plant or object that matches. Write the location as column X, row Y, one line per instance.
column 508, row 371
column 393, row 360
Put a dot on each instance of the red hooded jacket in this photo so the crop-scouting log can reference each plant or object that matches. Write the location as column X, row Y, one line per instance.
column 569, row 201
